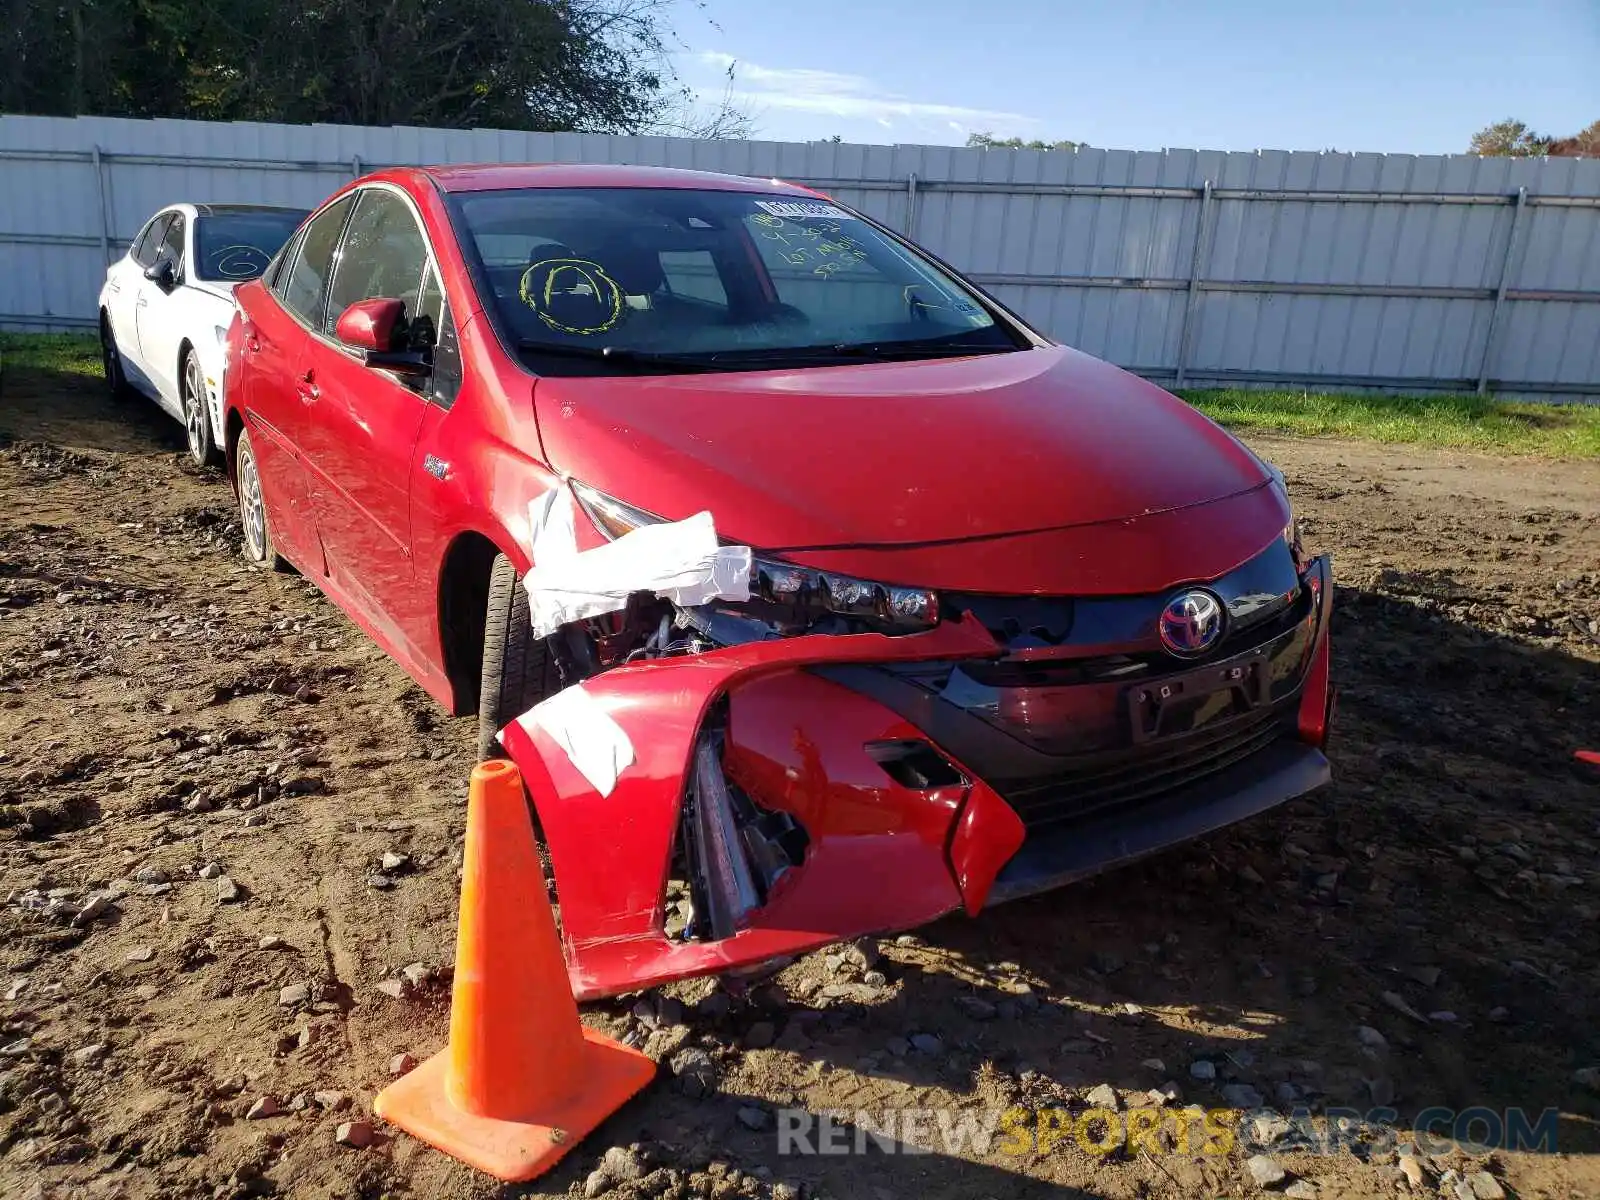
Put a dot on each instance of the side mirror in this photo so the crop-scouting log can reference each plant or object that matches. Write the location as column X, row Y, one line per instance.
column 162, row 273
column 378, row 328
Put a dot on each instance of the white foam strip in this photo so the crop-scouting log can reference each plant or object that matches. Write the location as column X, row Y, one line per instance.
column 586, row 732
column 677, row 560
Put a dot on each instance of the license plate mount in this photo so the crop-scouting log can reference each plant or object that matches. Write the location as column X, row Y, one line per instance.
column 1150, row 705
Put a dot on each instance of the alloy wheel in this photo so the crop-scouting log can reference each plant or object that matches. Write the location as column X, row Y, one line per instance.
column 194, row 409
column 252, row 511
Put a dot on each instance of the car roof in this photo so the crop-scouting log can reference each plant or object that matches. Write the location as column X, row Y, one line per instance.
column 480, row 177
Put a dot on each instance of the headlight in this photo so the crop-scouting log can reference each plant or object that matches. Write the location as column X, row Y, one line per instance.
column 799, row 593
column 1291, row 531
column 222, row 334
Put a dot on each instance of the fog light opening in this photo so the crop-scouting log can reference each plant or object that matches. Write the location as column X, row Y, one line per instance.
column 915, row 765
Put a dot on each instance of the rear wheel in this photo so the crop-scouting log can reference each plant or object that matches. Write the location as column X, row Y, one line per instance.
column 518, row 669
column 258, row 548
column 196, row 420
column 111, row 361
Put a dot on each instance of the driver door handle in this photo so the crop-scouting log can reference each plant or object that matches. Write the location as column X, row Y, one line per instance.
column 307, row 388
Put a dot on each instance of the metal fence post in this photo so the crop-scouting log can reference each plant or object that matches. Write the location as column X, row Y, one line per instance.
column 355, row 166
column 1202, row 240
column 1507, row 264
column 911, row 206
column 105, row 217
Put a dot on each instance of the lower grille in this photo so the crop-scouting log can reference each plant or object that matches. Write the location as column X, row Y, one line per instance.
column 1130, row 777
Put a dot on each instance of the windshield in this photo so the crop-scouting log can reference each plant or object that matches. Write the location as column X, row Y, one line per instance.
column 236, row 246
column 623, row 279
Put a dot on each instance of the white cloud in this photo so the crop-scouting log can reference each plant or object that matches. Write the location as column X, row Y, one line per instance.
column 846, row 96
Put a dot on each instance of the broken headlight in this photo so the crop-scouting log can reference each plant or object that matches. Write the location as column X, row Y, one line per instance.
column 791, row 598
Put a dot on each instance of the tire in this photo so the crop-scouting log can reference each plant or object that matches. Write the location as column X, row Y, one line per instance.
column 518, row 669
column 111, row 362
column 258, row 548
column 196, row 412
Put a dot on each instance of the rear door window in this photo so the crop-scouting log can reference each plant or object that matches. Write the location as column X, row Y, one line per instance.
column 305, row 287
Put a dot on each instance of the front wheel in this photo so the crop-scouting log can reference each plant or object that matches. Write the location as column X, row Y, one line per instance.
column 258, row 548
column 518, row 669
column 196, row 420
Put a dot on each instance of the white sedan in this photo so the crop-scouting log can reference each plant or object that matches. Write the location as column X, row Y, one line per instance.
column 166, row 306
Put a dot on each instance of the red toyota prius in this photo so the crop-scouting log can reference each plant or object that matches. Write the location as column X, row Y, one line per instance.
column 814, row 593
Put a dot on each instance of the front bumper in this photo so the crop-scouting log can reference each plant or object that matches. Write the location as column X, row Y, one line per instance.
column 830, row 730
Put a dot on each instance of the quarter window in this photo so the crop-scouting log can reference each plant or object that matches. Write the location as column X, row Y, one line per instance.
column 434, row 328
column 383, row 254
column 172, row 241
column 305, row 287
column 145, row 248
column 693, row 273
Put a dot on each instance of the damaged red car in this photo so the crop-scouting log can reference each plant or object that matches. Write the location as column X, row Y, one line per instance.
column 814, row 592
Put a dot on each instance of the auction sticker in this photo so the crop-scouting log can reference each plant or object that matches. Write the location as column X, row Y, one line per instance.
column 800, row 210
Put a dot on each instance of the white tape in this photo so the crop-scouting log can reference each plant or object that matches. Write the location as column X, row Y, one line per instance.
column 595, row 743
column 677, row 560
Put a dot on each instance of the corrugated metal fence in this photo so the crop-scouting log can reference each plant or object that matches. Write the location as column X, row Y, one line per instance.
column 1196, row 267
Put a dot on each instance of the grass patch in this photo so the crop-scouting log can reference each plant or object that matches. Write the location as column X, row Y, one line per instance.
column 69, row 353
column 1471, row 422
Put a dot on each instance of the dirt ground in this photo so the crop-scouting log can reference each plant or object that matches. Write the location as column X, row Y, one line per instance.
column 1423, row 933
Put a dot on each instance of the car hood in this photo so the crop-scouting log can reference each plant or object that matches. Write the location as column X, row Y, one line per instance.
column 213, row 287
column 889, row 454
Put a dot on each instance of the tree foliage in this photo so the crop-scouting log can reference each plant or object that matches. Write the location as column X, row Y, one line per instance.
column 1514, row 139
column 987, row 141
column 511, row 64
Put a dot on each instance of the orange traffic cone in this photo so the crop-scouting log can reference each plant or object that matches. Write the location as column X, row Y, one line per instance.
column 522, row 1080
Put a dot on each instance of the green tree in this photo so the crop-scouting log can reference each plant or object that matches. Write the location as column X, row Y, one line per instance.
column 987, row 141
column 517, row 64
column 1508, row 139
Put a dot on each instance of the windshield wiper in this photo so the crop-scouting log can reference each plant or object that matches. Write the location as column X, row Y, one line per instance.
column 621, row 354
column 743, row 358
column 913, row 350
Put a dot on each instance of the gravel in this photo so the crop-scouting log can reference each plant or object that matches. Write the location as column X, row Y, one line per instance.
column 1265, row 1171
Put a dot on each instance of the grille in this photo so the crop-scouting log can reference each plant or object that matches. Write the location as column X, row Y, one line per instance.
column 1132, row 776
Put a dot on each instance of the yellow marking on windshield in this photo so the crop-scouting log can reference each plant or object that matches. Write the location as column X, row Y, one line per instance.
column 578, row 277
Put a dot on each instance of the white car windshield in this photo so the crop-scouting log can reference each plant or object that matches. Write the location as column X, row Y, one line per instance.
column 619, row 279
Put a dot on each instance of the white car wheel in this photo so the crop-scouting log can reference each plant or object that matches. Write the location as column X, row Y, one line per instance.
column 196, row 422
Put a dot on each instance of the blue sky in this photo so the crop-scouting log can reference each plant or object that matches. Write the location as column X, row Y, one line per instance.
column 1397, row 76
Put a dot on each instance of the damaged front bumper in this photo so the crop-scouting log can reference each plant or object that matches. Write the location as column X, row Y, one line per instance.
column 811, row 789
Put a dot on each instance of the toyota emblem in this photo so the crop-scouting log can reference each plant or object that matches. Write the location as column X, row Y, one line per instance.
column 1191, row 623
